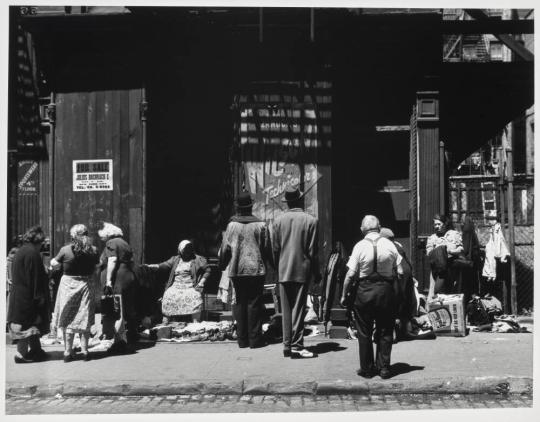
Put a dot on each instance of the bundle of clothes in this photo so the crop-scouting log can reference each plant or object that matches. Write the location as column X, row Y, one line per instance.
column 486, row 314
column 182, row 332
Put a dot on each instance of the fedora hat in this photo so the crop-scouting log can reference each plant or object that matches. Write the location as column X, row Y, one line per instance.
column 243, row 200
column 292, row 194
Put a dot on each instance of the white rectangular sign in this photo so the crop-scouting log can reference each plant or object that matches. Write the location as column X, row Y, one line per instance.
column 92, row 175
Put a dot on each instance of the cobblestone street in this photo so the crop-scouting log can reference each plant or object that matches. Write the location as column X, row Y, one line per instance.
column 260, row 403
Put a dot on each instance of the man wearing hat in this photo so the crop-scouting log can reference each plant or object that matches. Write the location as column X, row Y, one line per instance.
column 294, row 244
column 244, row 250
column 373, row 266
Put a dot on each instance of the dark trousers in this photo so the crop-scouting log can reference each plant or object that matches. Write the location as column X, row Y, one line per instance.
column 248, row 309
column 125, row 284
column 375, row 304
column 293, row 308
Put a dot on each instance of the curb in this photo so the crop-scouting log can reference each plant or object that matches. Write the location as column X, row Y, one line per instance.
column 477, row 385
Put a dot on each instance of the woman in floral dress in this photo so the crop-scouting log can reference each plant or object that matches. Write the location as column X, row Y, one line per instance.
column 187, row 275
column 74, row 311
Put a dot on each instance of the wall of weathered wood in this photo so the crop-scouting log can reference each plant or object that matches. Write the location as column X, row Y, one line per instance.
column 100, row 125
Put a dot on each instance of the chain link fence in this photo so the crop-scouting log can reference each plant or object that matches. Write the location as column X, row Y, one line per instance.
column 485, row 200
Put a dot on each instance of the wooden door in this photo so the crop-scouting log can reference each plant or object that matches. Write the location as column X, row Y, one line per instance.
column 100, row 125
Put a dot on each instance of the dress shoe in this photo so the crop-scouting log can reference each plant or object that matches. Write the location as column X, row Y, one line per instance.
column 287, row 353
column 21, row 359
column 86, row 356
column 302, row 354
column 68, row 358
column 385, row 373
column 38, row 355
column 258, row 344
column 366, row 373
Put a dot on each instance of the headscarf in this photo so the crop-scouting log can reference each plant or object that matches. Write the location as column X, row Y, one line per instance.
column 182, row 245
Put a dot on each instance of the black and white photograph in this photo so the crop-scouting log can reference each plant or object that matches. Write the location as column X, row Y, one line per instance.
column 291, row 210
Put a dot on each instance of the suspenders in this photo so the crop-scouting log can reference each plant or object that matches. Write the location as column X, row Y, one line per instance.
column 375, row 276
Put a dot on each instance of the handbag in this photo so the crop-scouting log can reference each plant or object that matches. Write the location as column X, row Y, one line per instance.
column 461, row 261
column 110, row 304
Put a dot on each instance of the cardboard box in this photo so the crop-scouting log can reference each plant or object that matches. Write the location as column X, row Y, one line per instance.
column 447, row 315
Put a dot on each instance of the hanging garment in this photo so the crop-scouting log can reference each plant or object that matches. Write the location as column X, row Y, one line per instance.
column 495, row 248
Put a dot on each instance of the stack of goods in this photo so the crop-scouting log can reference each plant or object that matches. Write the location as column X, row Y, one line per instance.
column 447, row 315
column 195, row 331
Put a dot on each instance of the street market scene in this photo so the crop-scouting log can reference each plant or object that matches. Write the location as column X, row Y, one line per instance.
column 269, row 209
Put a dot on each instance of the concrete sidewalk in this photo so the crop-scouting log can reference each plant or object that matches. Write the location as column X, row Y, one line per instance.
column 478, row 363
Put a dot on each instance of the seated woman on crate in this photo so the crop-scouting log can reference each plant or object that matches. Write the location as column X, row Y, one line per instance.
column 183, row 292
column 443, row 248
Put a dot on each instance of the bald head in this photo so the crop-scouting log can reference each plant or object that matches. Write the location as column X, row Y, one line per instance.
column 370, row 223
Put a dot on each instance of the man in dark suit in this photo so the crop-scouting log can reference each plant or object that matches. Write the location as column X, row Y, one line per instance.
column 294, row 245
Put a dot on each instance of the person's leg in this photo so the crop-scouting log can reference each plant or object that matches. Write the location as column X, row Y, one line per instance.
column 364, row 327
column 22, row 347
column 240, row 312
column 68, row 343
column 84, row 342
column 285, row 294
column 298, row 315
column 125, row 286
column 385, row 327
column 254, row 308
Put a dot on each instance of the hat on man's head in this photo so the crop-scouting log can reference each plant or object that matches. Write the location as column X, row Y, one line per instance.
column 386, row 232
column 243, row 200
column 292, row 194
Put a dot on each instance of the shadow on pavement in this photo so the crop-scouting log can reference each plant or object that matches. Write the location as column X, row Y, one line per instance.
column 403, row 368
column 326, row 347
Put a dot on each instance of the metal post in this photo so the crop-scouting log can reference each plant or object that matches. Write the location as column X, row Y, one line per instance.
column 442, row 190
column 511, row 237
column 502, row 169
column 143, row 117
column 52, row 122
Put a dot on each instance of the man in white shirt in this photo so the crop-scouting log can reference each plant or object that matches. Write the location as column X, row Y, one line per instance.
column 373, row 266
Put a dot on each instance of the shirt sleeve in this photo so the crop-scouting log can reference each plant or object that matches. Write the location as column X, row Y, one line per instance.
column 352, row 264
column 430, row 245
column 60, row 256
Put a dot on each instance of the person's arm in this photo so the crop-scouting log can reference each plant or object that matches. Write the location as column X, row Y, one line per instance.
column 314, row 251
column 430, row 245
column 349, row 277
column 276, row 245
column 56, row 262
column 111, row 263
column 454, row 243
column 225, row 251
column 206, row 271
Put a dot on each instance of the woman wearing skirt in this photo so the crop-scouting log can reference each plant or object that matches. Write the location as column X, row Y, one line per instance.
column 188, row 272
column 74, row 309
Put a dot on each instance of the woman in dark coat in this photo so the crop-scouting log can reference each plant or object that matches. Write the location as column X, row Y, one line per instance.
column 119, row 274
column 28, row 316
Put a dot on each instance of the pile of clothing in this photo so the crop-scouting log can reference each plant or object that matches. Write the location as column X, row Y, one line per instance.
column 181, row 332
column 503, row 324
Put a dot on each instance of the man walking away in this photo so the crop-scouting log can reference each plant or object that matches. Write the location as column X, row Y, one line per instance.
column 294, row 244
column 244, row 249
column 373, row 265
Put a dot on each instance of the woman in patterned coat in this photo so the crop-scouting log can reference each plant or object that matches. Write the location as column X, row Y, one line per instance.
column 74, row 309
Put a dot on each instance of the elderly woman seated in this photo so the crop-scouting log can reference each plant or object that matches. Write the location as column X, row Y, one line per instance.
column 183, row 292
